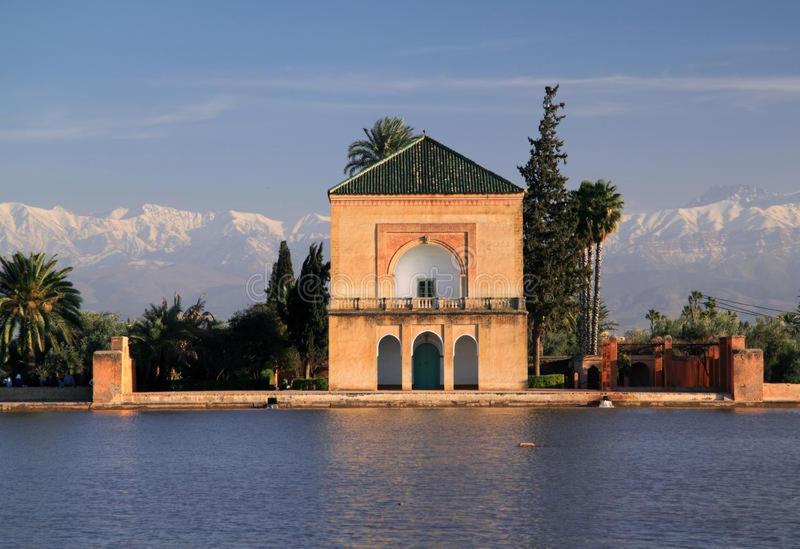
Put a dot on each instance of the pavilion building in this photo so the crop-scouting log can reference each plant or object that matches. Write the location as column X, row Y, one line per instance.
column 426, row 276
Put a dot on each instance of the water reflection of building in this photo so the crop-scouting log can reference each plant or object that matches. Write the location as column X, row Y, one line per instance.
column 426, row 266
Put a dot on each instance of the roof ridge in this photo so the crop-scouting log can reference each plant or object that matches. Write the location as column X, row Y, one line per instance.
column 469, row 160
column 425, row 166
column 380, row 162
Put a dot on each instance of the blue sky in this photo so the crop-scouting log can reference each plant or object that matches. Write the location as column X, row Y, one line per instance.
column 251, row 105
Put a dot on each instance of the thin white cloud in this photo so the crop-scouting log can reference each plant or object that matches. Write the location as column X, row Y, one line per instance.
column 125, row 128
column 358, row 83
column 189, row 113
column 487, row 45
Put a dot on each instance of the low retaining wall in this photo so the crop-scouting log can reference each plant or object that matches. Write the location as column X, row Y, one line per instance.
column 45, row 394
column 782, row 392
column 403, row 399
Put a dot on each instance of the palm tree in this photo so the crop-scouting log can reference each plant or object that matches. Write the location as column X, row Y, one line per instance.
column 387, row 136
column 654, row 317
column 605, row 211
column 166, row 338
column 582, row 198
column 39, row 307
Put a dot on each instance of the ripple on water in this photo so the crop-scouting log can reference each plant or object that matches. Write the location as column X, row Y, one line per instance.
column 401, row 476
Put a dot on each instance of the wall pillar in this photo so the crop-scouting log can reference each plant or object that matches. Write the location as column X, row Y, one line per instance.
column 747, row 375
column 448, row 350
column 406, row 357
column 608, row 373
column 658, row 365
column 114, row 374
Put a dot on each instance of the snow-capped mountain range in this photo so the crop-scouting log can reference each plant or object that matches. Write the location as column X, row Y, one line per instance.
column 126, row 259
column 737, row 243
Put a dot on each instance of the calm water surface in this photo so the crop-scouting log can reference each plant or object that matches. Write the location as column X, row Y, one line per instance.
column 360, row 477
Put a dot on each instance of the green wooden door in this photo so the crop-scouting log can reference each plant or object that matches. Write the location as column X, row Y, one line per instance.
column 426, row 367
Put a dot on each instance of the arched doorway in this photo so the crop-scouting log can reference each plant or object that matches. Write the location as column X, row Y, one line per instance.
column 640, row 375
column 465, row 363
column 593, row 378
column 426, row 372
column 390, row 365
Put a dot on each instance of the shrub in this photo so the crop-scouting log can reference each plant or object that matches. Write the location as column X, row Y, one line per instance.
column 314, row 384
column 268, row 374
column 551, row 381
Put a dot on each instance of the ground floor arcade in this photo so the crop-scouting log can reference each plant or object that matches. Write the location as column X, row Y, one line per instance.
column 447, row 351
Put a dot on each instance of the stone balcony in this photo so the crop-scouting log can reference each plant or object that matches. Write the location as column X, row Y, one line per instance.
column 426, row 304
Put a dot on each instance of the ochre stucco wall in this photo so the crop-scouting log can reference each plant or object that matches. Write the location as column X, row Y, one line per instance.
column 369, row 234
column 114, row 374
column 501, row 338
column 747, row 375
column 485, row 231
column 789, row 392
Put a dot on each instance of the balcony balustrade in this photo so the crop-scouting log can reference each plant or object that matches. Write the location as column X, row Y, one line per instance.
column 400, row 304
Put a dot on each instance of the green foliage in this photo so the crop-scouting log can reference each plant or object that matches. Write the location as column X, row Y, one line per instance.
column 313, row 384
column 95, row 334
column 550, row 381
column 699, row 321
column 308, row 310
column 779, row 341
column 281, row 280
column 258, row 339
column 59, row 362
column 560, row 342
column 39, row 306
column 387, row 136
column 638, row 336
column 167, row 340
column 268, row 375
column 552, row 247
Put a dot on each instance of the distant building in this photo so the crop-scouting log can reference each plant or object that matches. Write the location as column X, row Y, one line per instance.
column 426, row 276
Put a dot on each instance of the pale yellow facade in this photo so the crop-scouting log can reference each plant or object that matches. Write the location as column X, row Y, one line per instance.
column 370, row 235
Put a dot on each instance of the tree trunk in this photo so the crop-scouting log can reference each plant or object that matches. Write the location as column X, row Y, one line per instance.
column 30, row 362
column 587, row 310
column 536, row 343
column 598, row 264
column 308, row 369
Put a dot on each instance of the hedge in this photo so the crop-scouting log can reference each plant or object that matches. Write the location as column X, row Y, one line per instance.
column 314, row 384
column 550, row 381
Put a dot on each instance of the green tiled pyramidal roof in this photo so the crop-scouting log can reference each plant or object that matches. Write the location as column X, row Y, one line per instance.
column 425, row 167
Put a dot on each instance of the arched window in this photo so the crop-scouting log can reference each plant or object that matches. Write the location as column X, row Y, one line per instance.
column 428, row 270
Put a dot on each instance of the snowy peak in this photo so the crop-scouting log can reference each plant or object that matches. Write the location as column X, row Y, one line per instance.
column 153, row 232
column 311, row 226
column 741, row 194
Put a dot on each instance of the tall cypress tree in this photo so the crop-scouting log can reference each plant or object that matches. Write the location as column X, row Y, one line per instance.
column 308, row 309
column 281, row 280
column 553, row 271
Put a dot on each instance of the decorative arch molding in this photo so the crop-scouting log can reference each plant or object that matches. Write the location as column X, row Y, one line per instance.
column 470, row 336
column 384, row 336
column 438, row 338
column 394, row 239
column 413, row 243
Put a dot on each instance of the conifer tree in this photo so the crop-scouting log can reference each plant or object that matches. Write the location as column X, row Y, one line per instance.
column 281, row 280
column 552, row 248
column 308, row 309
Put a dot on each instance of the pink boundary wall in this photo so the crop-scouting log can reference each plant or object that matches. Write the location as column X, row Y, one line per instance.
column 732, row 368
